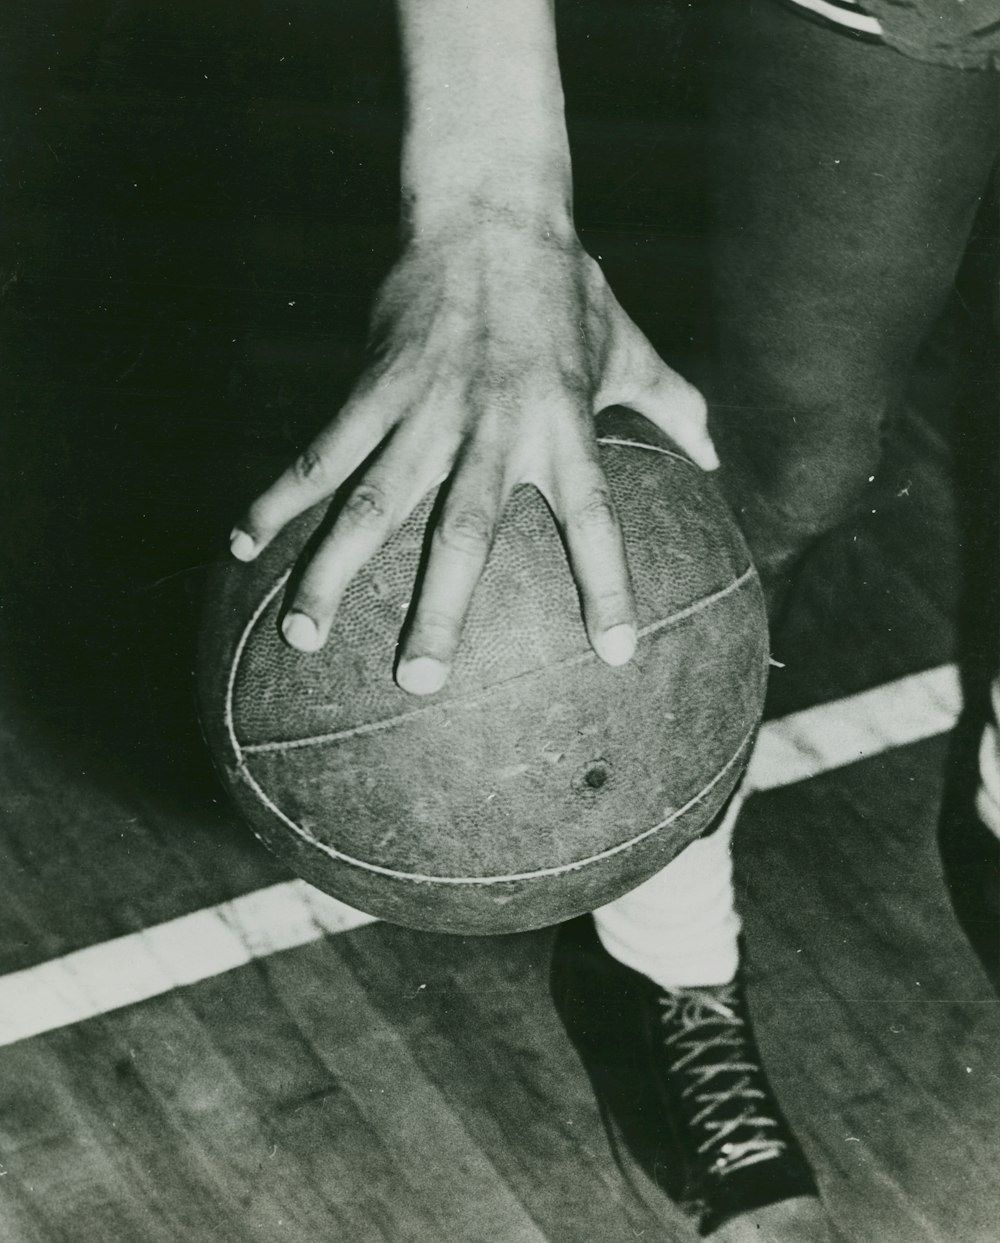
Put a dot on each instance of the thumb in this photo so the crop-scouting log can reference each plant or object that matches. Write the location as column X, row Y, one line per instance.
column 676, row 407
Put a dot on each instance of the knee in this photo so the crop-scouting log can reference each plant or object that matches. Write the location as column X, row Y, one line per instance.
column 800, row 442
column 822, row 470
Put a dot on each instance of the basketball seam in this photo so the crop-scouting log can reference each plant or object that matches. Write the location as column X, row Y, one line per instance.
column 238, row 656
column 626, row 443
column 482, row 881
column 356, row 731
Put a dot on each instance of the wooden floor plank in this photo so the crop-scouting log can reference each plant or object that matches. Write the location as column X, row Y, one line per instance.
column 405, row 1107
column 205, row 1157
column 480, row 1021
column 880, row 1025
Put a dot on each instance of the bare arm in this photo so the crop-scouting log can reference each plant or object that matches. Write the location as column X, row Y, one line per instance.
column 495, row 339
column 485, row 127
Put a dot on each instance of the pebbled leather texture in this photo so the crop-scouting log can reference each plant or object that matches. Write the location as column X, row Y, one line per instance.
column 535, row 762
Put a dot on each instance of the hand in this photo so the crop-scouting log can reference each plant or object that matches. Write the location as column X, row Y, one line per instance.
column 493, row 349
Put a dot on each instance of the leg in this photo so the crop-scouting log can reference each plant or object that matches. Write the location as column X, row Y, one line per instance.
column 845, row 192
column 845, row 180
column 662, row 1024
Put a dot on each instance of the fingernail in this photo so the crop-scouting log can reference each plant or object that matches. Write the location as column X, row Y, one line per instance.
column 617, row 645
column 301, row 632
column 711, row 457
column 421, row 676
column 242, row 545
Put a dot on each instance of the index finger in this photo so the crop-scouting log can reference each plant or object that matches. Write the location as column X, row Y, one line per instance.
column 316, row 473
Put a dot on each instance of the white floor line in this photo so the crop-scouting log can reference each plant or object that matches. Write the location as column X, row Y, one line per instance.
column 856, row 727
column 130, row 969
column 166, row 956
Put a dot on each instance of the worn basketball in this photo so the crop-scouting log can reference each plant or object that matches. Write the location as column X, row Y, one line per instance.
column 538, row 783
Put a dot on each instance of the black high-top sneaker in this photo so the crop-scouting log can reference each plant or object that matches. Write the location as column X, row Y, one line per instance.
column 680, row 1084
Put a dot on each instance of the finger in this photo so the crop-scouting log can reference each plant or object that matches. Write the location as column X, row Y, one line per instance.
column 676, row 407
column 596, row 549
column 460, row 545
column 382, row 499
column 314, row 475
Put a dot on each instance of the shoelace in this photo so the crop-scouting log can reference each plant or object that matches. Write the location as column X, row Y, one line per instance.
column 707, row 1023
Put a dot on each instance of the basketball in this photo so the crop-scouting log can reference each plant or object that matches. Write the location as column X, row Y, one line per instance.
column 538, row 783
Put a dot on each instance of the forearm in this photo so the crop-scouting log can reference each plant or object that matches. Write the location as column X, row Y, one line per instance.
column 485, row 127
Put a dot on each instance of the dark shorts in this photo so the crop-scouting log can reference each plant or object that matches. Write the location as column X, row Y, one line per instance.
column 846, row 181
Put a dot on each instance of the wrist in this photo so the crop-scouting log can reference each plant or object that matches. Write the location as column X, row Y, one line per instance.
column 521, row 194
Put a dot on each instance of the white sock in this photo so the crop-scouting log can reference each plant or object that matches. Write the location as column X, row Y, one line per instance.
column 680, row 927
column 988, row 795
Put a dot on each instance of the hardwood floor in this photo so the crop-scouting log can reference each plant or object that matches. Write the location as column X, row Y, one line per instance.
column 188, row 243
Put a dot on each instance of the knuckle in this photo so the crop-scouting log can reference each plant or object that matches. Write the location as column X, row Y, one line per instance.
column 309, row 467
column 435, row 632
column 367, row 506
column 612, row 604
column 466, row 529
column 594, row 512
column 577, row 387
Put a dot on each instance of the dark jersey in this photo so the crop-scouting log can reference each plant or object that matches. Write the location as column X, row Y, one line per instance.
column 961, row 33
